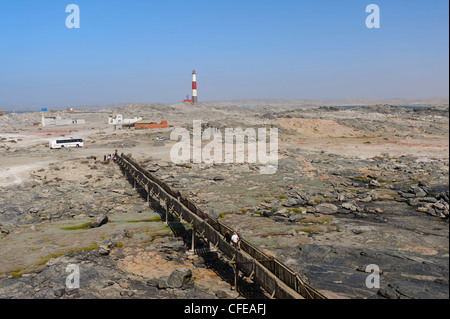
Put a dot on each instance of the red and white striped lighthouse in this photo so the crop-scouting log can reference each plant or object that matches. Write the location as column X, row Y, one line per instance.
column 194, row 87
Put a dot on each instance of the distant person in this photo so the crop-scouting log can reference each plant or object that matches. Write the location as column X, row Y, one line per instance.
column 178, row 195
column 104, row 158
column 227, row 236
column 235, row 240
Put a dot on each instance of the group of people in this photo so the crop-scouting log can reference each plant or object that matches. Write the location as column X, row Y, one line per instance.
column 109, row 157
column 234, row 239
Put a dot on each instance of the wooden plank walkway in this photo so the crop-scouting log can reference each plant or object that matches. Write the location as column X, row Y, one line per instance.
column 272, row 275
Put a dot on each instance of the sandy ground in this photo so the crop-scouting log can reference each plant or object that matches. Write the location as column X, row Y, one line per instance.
column 30, row 149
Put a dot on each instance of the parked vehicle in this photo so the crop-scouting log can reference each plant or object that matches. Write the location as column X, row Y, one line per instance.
column 61, row 143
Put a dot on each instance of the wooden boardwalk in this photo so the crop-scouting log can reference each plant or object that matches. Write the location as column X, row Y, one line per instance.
column 268, row 272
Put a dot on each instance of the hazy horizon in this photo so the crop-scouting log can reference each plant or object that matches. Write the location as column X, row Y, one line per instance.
column 433, row 101
column 133, row 52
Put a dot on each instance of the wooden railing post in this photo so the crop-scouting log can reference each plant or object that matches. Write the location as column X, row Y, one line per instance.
column 193, row 240
column 236, row 271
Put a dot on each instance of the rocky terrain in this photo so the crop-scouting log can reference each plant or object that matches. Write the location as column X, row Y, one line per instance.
column 98, row 222
column 353, row 187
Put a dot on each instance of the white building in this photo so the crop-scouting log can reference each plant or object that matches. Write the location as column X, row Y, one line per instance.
column 57, row 120
column 133, row 120
column 115, row 119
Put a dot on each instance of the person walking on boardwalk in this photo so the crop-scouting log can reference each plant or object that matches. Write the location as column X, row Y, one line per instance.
column 235, row 240
column 227, row 236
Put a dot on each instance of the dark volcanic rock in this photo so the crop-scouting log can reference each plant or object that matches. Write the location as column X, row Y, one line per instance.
column 331, row 268
column 99, row 221
column 290, row 202
column 179, row 277
column 327, row 209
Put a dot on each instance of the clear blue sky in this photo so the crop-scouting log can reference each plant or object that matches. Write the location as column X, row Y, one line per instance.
column 144, row 50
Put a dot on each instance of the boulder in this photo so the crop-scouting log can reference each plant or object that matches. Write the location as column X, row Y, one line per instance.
column 153, row 169
column 290, row 202
column 163, row 283
column 282, row 212
column 439, row 209
column 296, row 217
column 388, row 292
column 267, row 213
column 127, row 293
column 99, row 221
column 418, row 191
column 438, row 205
column 366, row 199
column 444, row 196
column 152, row 282
column 343, row 211
column 179, row 277
column 213, row 214
column 226, row 294
column 422, row 209
column 221, row 294
column 350, row 206
column 432, row 212
column 59, row 292
column 326, row 209
column 125, row 285
column 103, row 251
column 428, row 199
column 374, row 183
column 412, row 201
column 45, row 293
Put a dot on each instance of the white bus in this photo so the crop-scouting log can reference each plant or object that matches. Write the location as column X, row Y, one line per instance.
column 70, row 142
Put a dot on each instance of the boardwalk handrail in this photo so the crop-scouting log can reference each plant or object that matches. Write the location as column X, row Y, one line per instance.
column 268, row 272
